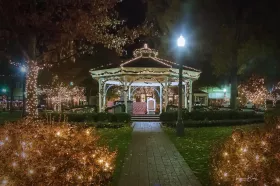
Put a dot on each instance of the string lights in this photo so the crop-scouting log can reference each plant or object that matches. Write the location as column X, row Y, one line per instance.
column 254, row 90
column 40, row 153
column 145, row 90
column 59, row 93
column 146, row 52
column 31, row 88
column 248, row 158
column 275, row 94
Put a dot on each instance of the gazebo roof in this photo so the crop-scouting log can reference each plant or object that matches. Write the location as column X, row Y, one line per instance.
column 145, row 63
column 146, row 58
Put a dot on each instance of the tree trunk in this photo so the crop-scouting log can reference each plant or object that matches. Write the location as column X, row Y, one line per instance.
column 233, row 89
column 233, row 80
column 31, row 89
column 31, row 78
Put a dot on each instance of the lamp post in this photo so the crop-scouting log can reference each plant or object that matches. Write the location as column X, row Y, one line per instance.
column 23, row 71
column 225, row 93
column 4, row 91
column 180, row 125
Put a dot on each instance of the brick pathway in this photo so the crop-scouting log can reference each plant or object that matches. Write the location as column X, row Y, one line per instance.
column 153, row 160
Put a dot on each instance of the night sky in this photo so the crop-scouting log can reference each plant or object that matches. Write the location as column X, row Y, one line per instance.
column 134, row 12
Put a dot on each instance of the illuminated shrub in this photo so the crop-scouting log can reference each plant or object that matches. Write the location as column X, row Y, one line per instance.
column 38, row 153
column 248, row 158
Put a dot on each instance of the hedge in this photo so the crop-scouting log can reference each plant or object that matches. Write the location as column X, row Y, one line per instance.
column 90, row 117
column 105, row 125
column 214, row 123
column 210, row 115
column 272, row 118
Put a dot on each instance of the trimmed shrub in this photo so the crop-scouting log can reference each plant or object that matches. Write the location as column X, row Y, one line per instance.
column 70, row 117
column 105, row 125
column 210, row 115
column 89, row 117
column 123, row 117
column 272, row 118
column 214, row 123
column 105, row 116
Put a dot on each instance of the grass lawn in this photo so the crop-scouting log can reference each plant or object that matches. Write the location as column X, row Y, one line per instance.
column 9, row 116
column 196, row 146
column 116, row 139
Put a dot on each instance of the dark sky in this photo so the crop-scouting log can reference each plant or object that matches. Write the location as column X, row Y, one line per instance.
column 133, row 11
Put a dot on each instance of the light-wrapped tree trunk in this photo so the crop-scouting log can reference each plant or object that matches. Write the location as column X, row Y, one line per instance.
column 31, row 88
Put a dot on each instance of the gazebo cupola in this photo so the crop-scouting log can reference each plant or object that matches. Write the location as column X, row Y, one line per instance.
column 146, row 69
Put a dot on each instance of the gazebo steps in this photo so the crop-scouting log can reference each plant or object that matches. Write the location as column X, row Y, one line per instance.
column 147, row 118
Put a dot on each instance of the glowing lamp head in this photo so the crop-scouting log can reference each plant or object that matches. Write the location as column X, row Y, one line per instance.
column 225, row 90
column 181, row 41
column 23, row 69
column 4, row 90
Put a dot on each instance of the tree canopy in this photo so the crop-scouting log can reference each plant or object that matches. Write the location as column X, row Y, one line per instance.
column 51, row 32
column 232, row 35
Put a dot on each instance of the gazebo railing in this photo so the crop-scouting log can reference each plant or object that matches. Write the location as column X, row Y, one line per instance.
column 116, row 108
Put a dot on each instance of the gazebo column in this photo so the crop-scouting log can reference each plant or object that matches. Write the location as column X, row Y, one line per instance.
column 125, row 94
column 186, row 96
column 104, row 97
column 166, row 93
column 100, row 94
column 190, row 96
column 160, row 99
column 129, row 92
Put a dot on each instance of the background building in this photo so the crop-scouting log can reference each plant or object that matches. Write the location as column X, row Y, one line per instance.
column 218, row 95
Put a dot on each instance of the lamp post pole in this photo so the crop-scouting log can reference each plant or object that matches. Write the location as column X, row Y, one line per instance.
column 180, row 125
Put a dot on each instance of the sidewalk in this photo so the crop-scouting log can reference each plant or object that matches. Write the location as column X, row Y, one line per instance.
column 153, row 160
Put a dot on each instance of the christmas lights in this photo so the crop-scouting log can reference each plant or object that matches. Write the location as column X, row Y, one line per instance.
column 31, row 88
column 247, row 158
column 146, row 52
column 254, row 90
column 144, row 90
column 40, row 153
column 274, row 95
column 59, row 93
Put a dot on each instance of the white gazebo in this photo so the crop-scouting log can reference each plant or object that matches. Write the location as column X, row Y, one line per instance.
column 145, row 70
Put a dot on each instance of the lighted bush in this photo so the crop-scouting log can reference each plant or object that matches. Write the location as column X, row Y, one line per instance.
column 38, row 153
column 248, row 158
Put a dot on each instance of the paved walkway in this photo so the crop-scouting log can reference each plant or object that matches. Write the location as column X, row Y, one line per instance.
column 153, row 160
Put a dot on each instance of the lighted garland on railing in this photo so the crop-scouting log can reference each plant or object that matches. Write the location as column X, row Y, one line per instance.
column 145, row 71
column 102, row 66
